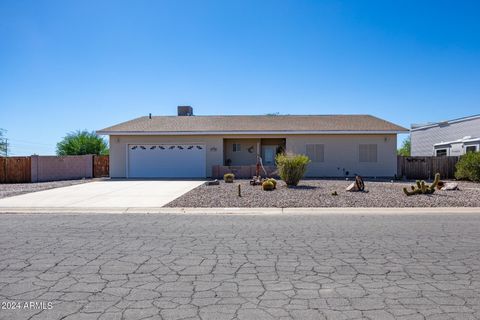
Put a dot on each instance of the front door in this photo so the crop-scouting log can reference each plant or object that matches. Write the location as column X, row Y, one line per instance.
column 268, row 155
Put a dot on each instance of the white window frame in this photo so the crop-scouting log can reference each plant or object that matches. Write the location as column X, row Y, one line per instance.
column 318, row 154
column 236, row 147
column 471, row 146
column 370, row 148
column 442, row 149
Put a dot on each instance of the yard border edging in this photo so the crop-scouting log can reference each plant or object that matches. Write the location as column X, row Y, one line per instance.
column 240, row 211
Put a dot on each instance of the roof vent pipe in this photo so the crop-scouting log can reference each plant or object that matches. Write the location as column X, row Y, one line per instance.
column 184, row 111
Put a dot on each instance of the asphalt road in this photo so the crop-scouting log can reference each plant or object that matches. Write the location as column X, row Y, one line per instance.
column 324, row 266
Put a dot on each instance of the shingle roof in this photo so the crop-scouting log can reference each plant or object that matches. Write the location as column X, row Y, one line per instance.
column 242, row 124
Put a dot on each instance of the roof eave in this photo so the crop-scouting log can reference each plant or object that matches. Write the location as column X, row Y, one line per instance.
column 276, row 132
column 448, row 122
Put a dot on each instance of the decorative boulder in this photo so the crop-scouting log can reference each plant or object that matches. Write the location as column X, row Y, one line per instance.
column 358, row 185
column 450, row 186
column 212, row 183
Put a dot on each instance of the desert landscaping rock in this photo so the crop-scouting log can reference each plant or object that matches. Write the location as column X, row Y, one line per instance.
column 328, row 266
column 14, row 189
column 318, row 193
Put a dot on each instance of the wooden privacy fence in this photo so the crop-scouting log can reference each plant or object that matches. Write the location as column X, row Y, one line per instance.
column 51, row 168
column 426, row 167
column 15, row 169
column 101, row 166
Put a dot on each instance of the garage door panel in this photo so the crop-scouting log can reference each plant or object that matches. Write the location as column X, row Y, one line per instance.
column 166, row 161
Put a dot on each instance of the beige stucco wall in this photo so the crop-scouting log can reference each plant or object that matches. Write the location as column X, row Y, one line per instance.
column 243, row 157
column 118, row 150
column 341, row 152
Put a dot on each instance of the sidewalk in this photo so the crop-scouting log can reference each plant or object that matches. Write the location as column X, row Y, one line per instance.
column 240, row 211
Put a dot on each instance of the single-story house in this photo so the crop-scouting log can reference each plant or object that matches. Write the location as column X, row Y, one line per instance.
column 188, row 146
column 446, row 138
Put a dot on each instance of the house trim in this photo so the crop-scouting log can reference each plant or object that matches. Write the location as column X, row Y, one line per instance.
column 192, row 133
column 457, row 141
column 448, row 122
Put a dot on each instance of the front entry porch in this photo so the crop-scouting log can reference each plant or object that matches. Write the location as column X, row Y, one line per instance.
column 240, row 156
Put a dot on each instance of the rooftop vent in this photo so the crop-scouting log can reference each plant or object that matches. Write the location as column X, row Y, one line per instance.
column 185, row 111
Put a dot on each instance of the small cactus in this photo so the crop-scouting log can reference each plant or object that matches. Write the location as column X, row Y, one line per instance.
column 422, row 187
column 274, row 182
column 228, row 177
column 436, row 181
column 268, row 185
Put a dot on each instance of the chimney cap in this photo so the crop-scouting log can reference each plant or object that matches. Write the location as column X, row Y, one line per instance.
column 184, row 111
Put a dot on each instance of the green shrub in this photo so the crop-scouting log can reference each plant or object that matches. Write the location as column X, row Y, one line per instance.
column 228, row 177
column 267, row 185
column 292, row 168
column 468, row 167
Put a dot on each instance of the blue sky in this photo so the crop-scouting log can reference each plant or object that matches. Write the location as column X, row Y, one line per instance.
column 68, row 65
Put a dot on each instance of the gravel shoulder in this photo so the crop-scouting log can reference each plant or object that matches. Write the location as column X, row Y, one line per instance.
column 15, row 189
column 318, row 193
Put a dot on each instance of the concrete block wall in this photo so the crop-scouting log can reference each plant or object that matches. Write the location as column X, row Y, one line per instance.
column 51, row 168
column 242, row 172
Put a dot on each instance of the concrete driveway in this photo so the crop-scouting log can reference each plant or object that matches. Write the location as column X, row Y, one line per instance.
column 104, row 194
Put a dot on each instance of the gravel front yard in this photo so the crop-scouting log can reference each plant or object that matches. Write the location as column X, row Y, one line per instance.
column 318, row 193
column 14, row 189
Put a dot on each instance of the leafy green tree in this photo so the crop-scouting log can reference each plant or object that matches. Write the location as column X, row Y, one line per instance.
column 80, row 143
column 3, row 143
column 406, row 147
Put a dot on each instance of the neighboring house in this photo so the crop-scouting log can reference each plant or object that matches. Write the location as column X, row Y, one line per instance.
column 446, row 138
column 208, row 146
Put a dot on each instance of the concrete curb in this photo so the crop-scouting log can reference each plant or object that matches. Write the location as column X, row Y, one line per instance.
column 235, row 211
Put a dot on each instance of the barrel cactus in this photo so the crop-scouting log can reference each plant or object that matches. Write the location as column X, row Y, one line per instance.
column 274, row 182
column 228, row 177
column 268, row 185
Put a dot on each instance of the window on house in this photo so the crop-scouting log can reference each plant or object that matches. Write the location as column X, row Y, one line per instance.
column 441, row 152
column 471, row 149
column 236, row 147
column 315, row 152
column 367, row 153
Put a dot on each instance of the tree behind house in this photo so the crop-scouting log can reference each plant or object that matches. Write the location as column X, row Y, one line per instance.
column 3, row 144
column 80, row 143
column 405, row 149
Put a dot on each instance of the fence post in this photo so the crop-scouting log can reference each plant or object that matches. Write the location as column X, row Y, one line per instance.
column 4, row 169
column 34, row 168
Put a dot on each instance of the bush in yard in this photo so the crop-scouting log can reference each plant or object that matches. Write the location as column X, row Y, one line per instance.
column 292, row 168
column 228, row 177
column 468, row 167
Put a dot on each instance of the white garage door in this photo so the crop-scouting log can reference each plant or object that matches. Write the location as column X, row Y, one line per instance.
column 166, row 161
